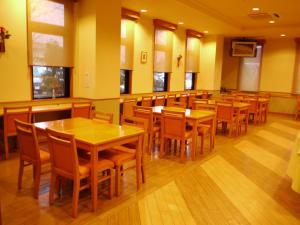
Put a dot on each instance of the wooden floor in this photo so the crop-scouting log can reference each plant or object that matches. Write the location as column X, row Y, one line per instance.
column 243, row 181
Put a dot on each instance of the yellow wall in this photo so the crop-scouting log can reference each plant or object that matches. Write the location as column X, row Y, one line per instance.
column 277, row 71
column 14, row 73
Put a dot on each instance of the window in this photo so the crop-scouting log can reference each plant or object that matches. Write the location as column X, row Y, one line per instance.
column 163, row 50
column 250, row 71
column 160, row 82
column 125, row 82
column 50, row 82
column 192, row 58
column 190, row 80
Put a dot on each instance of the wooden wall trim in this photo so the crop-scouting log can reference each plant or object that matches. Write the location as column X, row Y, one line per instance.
column 130, row 14
column 164, row 24
column 193, row 33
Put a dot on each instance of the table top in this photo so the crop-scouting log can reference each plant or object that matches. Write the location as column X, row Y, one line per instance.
column 47, row 108
column 90, row 131
column 189, row 113
column 235, row 104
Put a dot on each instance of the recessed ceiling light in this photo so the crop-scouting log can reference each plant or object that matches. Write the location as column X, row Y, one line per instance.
column 282, row 35
column 255, row 9
column 271, row 21
column 144, row 10
column 180, row 23
column 205, row 32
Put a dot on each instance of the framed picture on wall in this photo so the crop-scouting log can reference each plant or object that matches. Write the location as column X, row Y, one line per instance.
column 144, row 55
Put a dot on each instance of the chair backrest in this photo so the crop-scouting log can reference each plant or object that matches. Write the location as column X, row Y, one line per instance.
column 147, row 101
column 177, row 104
column 128, row 105
column 145, row 113
column 27, row 140
column 173, row 124
column 82, row 109
column 171, row 98
column 103, row 117
column 192, row 97
column 159, row 100
column 63, row 154
column 225, row 112
column 11, row 113
column 204, row 95
column 204, row 106
column 253, row 104
column 183, row 98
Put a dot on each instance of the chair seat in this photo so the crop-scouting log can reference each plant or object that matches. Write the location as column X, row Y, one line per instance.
column 116, row 156
column 188, row 134
column 155, row 129
column 45, row 156
column 203, row 128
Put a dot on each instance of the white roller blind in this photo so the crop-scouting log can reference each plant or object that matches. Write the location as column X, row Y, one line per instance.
column 297, row 69
column 192, row 54
column 127, row 39
column 50, row 32
column 250, row 71
column 163, row 50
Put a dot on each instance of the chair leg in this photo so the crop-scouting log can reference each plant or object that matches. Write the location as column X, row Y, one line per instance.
column 6, row 147
column 37, row 179
column 111, row 184
column 162, row 146
column 182, row 151
column 117, row 180
column 150, row 143
column 53, row 182
column 21, row 169
column 202, row 143
column 76, row 188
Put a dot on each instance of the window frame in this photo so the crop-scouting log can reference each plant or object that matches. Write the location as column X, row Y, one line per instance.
column 194, row 81
column 166, row 82
column 69, row 85
column 128, row 82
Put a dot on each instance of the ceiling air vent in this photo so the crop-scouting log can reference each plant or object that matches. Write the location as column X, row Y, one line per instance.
column 260, row 16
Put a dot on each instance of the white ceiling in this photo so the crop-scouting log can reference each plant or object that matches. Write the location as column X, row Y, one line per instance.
column 226, row 17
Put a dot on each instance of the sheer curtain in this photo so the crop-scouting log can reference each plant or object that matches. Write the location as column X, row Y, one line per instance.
column 250, row 71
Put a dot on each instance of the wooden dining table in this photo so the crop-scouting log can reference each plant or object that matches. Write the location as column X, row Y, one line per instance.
column 93, row 136
column 193, row 117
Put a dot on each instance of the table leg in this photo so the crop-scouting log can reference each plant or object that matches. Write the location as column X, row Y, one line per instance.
column 213, row 130
column 194, row 140
column 139, row 161
column 94, row 182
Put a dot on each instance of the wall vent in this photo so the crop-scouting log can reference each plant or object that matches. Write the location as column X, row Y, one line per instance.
column 260, row 16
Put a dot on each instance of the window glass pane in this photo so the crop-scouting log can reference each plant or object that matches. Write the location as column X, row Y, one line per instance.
column 189, row 81
column 124, row 81
column 250, row 71
column 50, row 82
column 160, row 82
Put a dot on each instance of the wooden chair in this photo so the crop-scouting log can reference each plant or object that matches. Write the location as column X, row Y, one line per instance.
column 184, row 99
column 122, row 155
column 263, row 110
column 30, row 153
column 225, row 115
column 65, row 163
column 204, row 95
column 191, row 99
column 103, row 117
column 205, row 128
column 173, row 126
column 10, row 114
column 127, row 111
column 147, row 101
column 177, row 104
column 297, row 107
column 253, row 108
column 159, row 100
column 170, row 99
column 82, row 109
column 153, row 129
